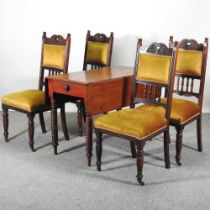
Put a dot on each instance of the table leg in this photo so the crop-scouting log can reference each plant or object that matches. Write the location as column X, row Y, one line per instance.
column 89, row 139
column 54, row 125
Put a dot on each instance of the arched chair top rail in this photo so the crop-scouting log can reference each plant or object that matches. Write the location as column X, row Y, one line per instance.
column 154, row 48
column 99, row 37
column 55, row 39
column 190, row 44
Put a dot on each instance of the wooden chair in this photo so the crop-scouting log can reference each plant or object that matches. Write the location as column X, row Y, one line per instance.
column 54, row 60
column 98, row 54
column 190, row 68
column 155, row 70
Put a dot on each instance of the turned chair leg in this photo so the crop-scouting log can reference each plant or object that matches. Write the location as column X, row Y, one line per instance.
column 166, row 148
column 63, row 122
column 179, row 131
column 199, row 134
column 98, row 149
column 140, row 161
column 31, row 130
column 5, row 123
column 133, row 149
column 79, row 116
column 41, row 120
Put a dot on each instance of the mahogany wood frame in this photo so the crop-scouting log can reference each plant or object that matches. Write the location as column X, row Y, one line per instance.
column 158, row 49
column 187, row 81
column 54, row 40
column 101, row 38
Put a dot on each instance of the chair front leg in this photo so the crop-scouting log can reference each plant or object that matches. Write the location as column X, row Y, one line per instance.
column 41, row 120
column 98, row 149
column 199, row 134
column 31, row 130
column 140, row 161
column 63, row 122
column 5, row 123
column 179, row 131
column 166, row 148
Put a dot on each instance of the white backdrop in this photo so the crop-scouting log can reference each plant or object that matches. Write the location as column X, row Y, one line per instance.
column 23, row 21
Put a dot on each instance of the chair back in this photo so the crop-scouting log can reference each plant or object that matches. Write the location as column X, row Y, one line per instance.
column 54, row 56
column 98, row 51
column 154, row 69
column 191, row 68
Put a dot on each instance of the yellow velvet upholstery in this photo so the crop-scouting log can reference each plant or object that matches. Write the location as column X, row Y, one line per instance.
column 189, row 62
column 152, row 109
column 26, row 100
column 54, row 56
column 138, row 123
column 183, row 110
column 97, row 52
column 154, row 68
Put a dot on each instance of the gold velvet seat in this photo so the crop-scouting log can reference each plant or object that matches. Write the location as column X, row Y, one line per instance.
column 190, row 67
column 27, row 100
column 98, row 54
column 183, row 110
column 137, row 123
column 54, row 60
column 141, row 124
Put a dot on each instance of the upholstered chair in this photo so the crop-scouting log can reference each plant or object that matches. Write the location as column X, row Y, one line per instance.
column 54, row 60
column 154, row 69
column 190, row 70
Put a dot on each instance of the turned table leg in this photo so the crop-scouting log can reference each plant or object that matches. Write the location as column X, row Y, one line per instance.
column 54, row 125
column 89, row 139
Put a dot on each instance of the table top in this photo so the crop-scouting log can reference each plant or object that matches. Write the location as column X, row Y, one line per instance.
column 94, row 76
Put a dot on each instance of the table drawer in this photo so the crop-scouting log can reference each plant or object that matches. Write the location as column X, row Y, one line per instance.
column 68, row 88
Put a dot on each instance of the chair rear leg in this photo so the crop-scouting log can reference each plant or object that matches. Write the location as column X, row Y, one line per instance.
column 79, row 116
column 179, row 131
column 31, row 130
column 98, row 149
column 5, row 123
column 199, row 134
column 63, row 122
column 42, row 123
column 140, row 161
column 166, row 148
column 133, row 149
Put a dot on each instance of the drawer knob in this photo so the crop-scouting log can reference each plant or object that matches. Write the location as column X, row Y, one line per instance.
column 66, row 87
